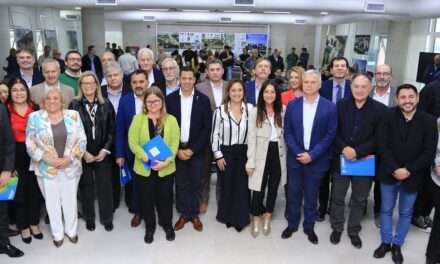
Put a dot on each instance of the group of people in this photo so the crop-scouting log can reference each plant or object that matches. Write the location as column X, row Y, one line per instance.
column 70, row 133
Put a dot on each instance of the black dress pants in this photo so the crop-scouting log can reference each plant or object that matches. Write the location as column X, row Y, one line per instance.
column 424, row 202
column 433, row 250
column 155, row 194
column 188, row 177
column 4, row 221
column 97, row 176
column 28, row 198
column 271, row 180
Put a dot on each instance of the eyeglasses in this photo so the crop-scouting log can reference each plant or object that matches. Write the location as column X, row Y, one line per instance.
column 88, row 83
column 153, row 102
column 385, row 74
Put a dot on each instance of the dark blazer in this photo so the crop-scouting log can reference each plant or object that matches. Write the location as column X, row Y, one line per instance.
column 37, row 77
column 430, row 98
column 407, row 145
column 7, row 142
column 323, row 134
column 250, row 93
column 365, row 140
column 104, row 125
column 126, row 112
column 87, row 65
column 201, row 118
column 126, row 89
column 327, row 89
column 277, row 63
column 159, row 80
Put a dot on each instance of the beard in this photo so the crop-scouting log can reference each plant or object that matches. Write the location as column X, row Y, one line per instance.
column 382, row 83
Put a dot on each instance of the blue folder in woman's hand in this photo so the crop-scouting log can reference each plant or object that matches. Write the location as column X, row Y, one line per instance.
column 362, row 167
column 7, row 192
column 157, row 150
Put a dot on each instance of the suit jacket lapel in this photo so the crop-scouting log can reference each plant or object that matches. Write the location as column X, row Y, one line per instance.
column 210, row 93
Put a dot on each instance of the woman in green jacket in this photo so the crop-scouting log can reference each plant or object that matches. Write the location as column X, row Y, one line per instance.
column 155, row 186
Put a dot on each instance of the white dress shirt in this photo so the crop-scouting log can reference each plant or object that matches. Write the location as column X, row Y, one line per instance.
column 218, row 93
column 273, row 134
column 309, row 112
column 151, row 78
column 384, row 99
column 185, row 115
column 28, row 81
column 138, row 103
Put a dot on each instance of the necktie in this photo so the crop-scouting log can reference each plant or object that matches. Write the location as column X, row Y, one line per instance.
column 338, row 93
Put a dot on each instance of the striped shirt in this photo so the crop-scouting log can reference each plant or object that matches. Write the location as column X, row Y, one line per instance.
column 226, row 131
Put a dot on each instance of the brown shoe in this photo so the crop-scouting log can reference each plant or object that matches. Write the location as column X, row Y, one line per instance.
column 203, row 207
column 180, row 223
column 136, row 221
column 197, row 224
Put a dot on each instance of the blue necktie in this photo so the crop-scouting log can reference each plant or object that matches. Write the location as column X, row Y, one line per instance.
column 338, row 93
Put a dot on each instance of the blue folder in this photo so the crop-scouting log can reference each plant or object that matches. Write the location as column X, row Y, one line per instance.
column 125, row 176
column 362, row 167
column 157, row 150
column 8, row 191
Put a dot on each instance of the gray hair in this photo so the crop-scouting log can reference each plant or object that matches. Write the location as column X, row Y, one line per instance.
column 147, row 51
column 314, row 73
column 111, row 67
column 109, row 52
column 175, row 65
column 50, row 61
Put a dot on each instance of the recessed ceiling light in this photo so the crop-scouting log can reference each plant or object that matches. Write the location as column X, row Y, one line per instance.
column 277, row 12
column 194, row 10
column 154, row 10
column 324, row 13
column 77, row 8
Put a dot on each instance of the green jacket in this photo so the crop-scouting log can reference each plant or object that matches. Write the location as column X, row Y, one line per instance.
column 138, row 135
column 70, row 81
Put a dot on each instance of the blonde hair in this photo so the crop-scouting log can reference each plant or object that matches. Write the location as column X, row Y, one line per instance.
column 154, row 90
column 98, row 93
column 298, row 70
column 49, row 92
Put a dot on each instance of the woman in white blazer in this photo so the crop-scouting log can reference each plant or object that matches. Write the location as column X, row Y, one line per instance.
column 266, row 164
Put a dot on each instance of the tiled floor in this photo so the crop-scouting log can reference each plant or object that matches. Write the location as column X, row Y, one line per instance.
column 215, row 244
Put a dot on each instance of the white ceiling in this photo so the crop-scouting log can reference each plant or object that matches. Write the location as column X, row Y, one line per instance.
column 340, row 11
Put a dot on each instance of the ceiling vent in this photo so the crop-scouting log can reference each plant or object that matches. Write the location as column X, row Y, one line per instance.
column 106, row 2
column 244, row 2
column 374, row 7
column 300, row 21
column 149, row 18
column 225, row 19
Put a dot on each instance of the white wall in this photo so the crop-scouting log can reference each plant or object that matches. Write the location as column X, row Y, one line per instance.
column 113, row 32
column 139, row 34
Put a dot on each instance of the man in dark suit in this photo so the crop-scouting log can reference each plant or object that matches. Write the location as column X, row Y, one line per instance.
column 214, row 87
column 115, row 89
column 277, row 61
column 262, row 71
column 91, row 62
column 27, row 70
column 432, row 72
column 359, row 118
column 333, row 90
column 129, row 105
column 407, row 146
column 309, row 130
column 7, row 156
column 193, row 113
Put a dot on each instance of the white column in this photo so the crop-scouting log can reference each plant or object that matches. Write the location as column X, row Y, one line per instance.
column 5, row 44
column 93, row 28
column 317, row 49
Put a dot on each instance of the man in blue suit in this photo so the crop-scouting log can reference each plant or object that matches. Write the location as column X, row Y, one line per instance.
column 310, row 127
column 192, row 110
column 333, row 90
column 130, row 105
column 262, row 71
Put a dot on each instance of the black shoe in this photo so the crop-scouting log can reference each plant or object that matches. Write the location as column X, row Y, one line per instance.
column 26, row 240
column 169, row 234
column 320, row 217
column 288, row 232
column 38, row 236
column 90, row 225
column 73, row 240
column 12, row 232
column 149, row 237
column 356, row 241
column 335, row 237
column 312, row 237
column 238, row 229
column 382, row 250
column 228, row 225
column 396, row 254
column 11, row 251
column 108, row 227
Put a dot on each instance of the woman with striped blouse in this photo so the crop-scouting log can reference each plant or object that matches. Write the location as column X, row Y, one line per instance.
column 229, row 145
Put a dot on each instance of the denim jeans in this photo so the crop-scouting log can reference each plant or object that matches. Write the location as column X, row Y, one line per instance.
column 406, row 205
column 228, row 73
